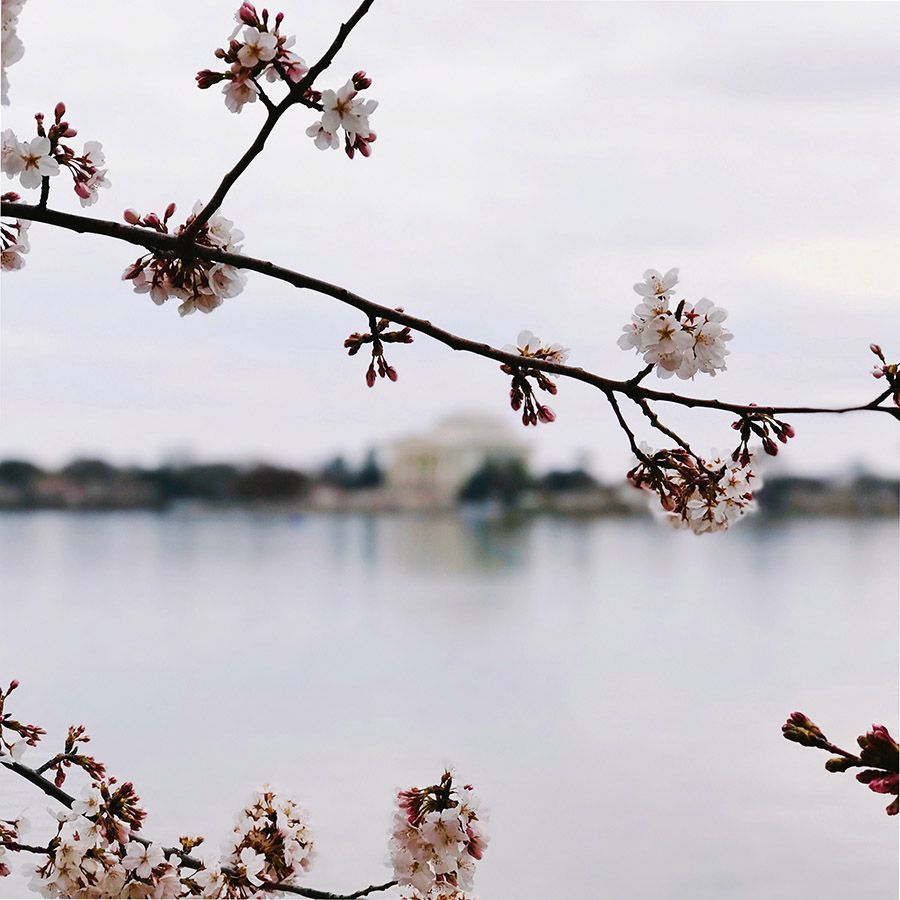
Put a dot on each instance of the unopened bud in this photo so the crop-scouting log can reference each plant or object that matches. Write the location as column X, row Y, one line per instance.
column 370, row 375
column 69, row 132
column 788, row 430
column 838, row 764
column 770, row 446
column 392, row 373
column 361, row 81
column 170, row 211
column 545, row 414
column 247, row 14
column 876, row 350
column 131, row 217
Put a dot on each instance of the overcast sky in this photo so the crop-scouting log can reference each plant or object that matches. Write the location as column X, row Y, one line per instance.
column 532, row 160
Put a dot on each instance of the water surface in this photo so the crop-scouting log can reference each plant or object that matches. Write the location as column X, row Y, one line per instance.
column 613, row 689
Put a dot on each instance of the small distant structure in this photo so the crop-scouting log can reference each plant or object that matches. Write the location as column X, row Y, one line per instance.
column 428, row 470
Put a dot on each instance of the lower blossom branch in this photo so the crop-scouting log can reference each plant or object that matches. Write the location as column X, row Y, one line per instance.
column 51, row 790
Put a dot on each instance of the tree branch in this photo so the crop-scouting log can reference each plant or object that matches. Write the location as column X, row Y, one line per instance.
column 51, row 790
column 274, row 114
column 165, row 243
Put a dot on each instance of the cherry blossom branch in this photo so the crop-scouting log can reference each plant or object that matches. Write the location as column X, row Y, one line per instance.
column 294, row 97
column 633, row 389
column 879, row 755
column 51, row 790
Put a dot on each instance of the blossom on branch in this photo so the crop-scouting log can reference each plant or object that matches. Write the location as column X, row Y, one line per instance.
column 198, row 283
column 879, row 755
column 378, row 335
column 436, row 840
column 889, row 371
column 346, row 109
column 41, row 158
column 262, row 51
column 683, row 341
column 704, row 495
column 521, row 393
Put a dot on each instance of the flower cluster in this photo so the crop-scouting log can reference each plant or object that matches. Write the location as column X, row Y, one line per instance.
column 683, row 341
column 521, row 393
column 888, row 371
column 436, row 840
column 42, row 156
column 261, row 51
column 879, row 755
column 764, row 426
column 378, row 336
column 704, row 495
column 13, row 239
column 198, row 283
column 273, row 844
column 345, row 109
column 12, row 49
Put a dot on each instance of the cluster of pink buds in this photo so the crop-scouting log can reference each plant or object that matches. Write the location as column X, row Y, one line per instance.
column 198, row 283
column 378, row 336
column 703, row 495
column 13, row 238
column 889, row 371
column 521, row 393
column 262, row 50
column 40, row 158
column 346, row 109
column 436, row 840
column 71, row 757
column 879, row 755
column 764, row 426
column 9, row 837
column 26, row 735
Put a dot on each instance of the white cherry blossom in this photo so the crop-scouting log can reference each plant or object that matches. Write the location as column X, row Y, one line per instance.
column 142, row 860
column 34, row 162
column 259, row 46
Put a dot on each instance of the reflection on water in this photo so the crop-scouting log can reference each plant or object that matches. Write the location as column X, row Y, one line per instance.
column 614, row 689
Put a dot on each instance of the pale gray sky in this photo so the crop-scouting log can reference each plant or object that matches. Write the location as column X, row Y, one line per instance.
column 532, row 160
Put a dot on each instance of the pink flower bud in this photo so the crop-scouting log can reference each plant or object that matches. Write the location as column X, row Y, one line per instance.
column 361, row 81
column 788, row 430
column 247, row 14
column 392, row 373
column 13, row 685
column 876, row 350
column 170, row 211
column 131, row 217
column 370, row 375
column 70, row 132
column 770, row 446
column 60, row 110
column 545, row 414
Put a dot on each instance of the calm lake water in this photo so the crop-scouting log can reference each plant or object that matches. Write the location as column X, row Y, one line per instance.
column 613, row 689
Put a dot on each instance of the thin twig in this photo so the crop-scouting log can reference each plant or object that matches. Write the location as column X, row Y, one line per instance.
column 658, row 425
column 626, row 428
column 166, row 243
column 51, row 790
